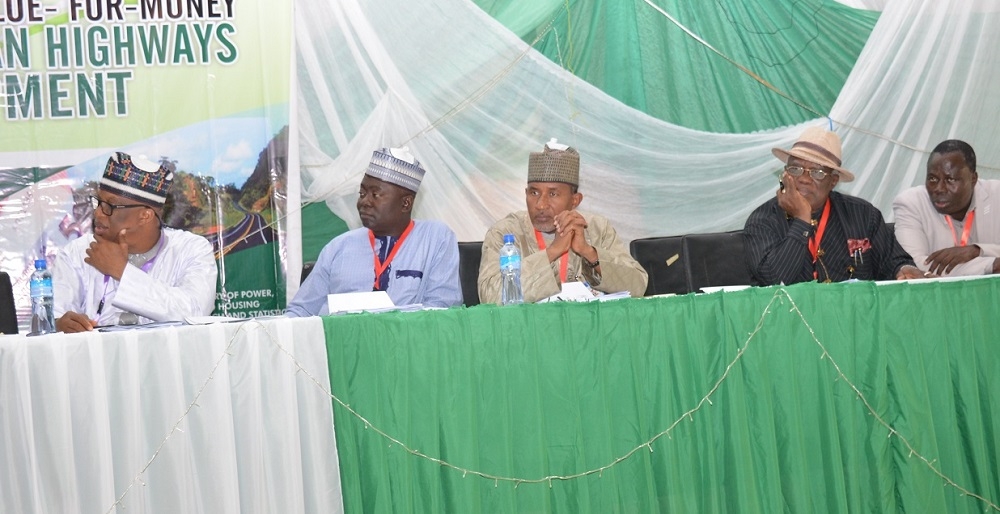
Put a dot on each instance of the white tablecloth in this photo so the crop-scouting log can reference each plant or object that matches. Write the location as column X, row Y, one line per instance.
column 88, row 419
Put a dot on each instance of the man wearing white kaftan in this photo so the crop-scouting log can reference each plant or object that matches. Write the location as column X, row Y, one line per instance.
column 132, row 269
column 180, row 281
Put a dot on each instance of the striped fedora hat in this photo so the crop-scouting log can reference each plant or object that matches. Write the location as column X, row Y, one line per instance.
column 819, row 146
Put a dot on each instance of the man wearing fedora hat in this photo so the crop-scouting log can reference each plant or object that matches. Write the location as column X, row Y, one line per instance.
column 809, row 232
column 132, row 270
column 413, row 261
column 558, row 243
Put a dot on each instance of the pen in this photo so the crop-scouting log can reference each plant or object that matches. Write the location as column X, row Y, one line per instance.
column 100, row 306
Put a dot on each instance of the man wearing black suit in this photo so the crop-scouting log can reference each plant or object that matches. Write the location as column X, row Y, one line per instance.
column 810, row 232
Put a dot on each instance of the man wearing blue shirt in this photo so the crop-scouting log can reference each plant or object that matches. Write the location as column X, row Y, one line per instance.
column 413, row 261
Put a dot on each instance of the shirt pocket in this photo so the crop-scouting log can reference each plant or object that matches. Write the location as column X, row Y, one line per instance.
column 863, row 266
column 405, row 285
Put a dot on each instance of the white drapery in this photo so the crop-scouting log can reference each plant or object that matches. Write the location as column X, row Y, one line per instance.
column 871, row 5
column 928, row 73
column 471, row 100
column 87, row 423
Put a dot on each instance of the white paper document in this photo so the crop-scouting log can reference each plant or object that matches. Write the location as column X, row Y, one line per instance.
column 209, row 320
column 581, row 292
column 145, row 326
column 727, row 289
column 372, row 301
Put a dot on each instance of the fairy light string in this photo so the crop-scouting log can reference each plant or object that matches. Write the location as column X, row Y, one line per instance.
column 878, row 418
column 780, row 297
column 120, row 502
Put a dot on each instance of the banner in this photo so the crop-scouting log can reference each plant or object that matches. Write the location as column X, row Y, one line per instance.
column 202, row 86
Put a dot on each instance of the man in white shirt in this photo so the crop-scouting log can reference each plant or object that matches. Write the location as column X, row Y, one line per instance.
column 951, row 224
column 132, row 269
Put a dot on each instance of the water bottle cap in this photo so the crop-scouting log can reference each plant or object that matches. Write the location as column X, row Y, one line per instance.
column 39, row 263
column 508, row 238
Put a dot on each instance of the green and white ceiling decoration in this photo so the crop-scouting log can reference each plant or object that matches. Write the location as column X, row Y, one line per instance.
column 674, row 106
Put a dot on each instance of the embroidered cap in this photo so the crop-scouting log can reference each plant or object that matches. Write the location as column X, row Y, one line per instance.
column 138, row 179
column 817, row 145
column 555, row 163
column 396, row 166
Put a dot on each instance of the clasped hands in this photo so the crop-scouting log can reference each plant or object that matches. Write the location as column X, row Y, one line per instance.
column 945, row 259
column 571, row 236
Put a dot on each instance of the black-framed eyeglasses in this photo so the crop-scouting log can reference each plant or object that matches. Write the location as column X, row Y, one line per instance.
column 817, row 174
column 109, row 208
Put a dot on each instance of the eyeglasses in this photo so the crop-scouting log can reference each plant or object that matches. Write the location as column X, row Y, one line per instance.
column 109, row 208
column 817, row 174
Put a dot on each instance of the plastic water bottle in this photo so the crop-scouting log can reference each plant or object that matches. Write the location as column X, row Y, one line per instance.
column 42, row 317
column 510, row 272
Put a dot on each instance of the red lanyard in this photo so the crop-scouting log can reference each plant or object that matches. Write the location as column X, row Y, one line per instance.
column 381, row 266
column 814, row 241
column 563, row 261
column 966, row 230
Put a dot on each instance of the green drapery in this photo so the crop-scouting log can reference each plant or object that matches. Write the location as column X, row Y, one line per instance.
column 635, row 54
column 320, row 226
column 559, row 389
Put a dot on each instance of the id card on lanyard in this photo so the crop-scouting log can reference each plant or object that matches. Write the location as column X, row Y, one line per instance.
column 381, row 266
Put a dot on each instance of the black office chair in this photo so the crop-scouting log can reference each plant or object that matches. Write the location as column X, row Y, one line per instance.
column 664, row 262
column 469, row 255
column 716, row 260
column 307, row 268
column 8, row 311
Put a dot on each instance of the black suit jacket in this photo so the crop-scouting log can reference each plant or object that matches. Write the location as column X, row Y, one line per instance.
column 777, row 248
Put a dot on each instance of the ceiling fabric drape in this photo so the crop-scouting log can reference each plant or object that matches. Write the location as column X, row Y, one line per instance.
column 471, row 99
column 636, row 54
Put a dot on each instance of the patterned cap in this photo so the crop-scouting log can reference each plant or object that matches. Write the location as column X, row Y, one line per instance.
column 555, row 163
column 143, row 181
column 396, row 166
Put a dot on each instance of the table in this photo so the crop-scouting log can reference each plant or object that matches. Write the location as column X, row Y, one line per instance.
column 810, row 398
column 214, row 418
column 850, row 397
